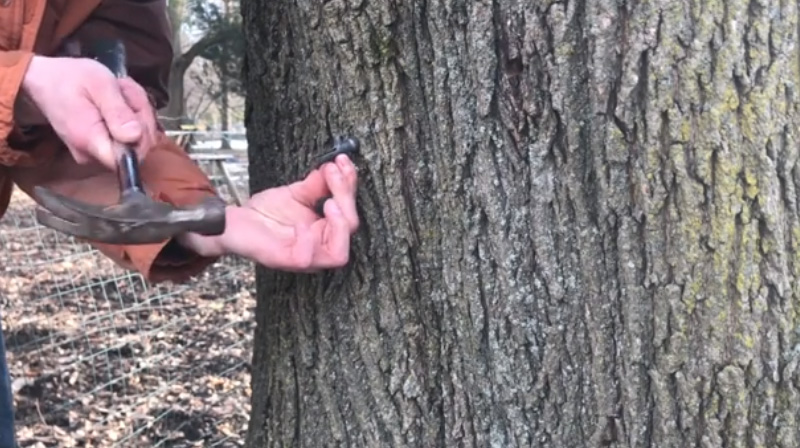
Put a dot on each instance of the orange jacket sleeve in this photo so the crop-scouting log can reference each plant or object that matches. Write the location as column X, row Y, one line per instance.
column 144, row 28
column 168, row 175
column 13, row 65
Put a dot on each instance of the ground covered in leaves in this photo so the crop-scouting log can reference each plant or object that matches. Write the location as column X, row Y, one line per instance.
column 99, row 359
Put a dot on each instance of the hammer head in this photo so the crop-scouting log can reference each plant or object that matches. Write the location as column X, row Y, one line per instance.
column 136, row 219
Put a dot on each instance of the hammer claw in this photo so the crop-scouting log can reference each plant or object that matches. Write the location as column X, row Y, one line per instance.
column 109, row 231
column 59, row 205
column 54, row 222
column 138, row 220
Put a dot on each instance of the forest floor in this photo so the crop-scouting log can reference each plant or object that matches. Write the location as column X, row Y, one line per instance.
column 98, row 359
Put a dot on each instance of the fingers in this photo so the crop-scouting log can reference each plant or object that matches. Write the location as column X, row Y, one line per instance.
column 88, row 139
column 309, row 190
column 139, row 102
column 99, row 144
column 320, row 183
column 127, row 117
column 342, row 181
column 302, row 256
column 120, row 118
column 341, row 217
column 335, row 239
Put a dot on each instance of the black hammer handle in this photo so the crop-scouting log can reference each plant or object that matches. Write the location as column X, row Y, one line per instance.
column 111, row 53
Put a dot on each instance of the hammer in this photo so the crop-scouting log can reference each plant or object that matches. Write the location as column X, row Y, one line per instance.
column 136, row 218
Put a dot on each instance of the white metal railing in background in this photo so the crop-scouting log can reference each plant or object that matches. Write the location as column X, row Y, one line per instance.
column 235, row 134
column 225, row 169
column 209, row 140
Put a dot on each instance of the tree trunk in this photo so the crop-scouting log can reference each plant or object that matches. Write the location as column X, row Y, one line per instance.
column 579, row 223
column 176, row 10
column 224, row 83
column 224, row 107
column 175, row 111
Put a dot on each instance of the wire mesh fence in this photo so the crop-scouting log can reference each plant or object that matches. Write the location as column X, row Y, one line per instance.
column 99, row 358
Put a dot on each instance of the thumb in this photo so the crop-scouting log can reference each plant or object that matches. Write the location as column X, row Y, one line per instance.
column 120, row 119
column 309, row 190
column 102, row 147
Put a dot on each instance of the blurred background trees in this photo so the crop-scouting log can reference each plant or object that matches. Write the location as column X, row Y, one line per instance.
column 205, row 86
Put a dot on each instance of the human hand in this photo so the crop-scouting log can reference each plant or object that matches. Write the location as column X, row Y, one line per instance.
column 279, row 229
column 90, row 109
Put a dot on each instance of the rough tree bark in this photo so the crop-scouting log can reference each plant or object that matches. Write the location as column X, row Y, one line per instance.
column 580, row 223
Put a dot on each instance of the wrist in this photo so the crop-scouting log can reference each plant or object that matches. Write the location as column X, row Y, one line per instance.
column 30, row 80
